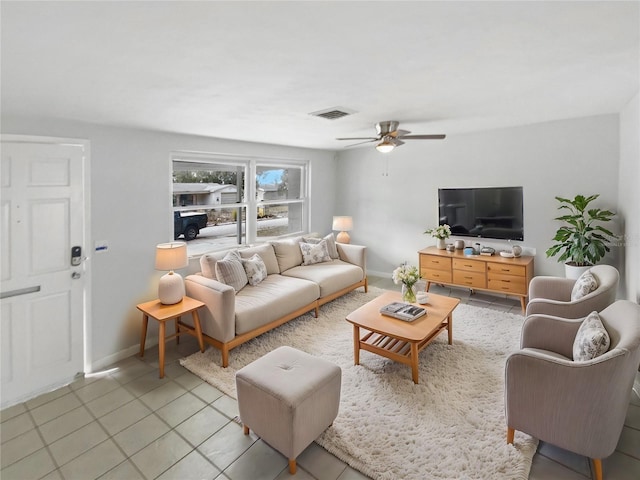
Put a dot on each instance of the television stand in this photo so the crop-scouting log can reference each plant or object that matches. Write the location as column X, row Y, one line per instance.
column 509, row 276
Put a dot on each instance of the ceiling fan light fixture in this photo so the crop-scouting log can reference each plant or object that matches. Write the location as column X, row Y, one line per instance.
column 386, row 145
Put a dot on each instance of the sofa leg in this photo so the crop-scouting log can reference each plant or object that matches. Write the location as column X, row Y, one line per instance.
column 225, row 356
column 366, row 285
column 510, row 434
column 246, row 429
column 597, row 468
column 292, row 466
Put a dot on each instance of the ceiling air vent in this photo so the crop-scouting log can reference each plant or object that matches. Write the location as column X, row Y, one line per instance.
column 333, row 113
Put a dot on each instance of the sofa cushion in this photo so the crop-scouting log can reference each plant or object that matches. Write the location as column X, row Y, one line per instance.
column 288, row 253
column 230, row 271
column 331, row 276
column 267, row 254
column 275, row 297
column 255, row 268
column 314, row 252
column 208, row 263
column 592, row 339
column 585, row 284
column 331, row 244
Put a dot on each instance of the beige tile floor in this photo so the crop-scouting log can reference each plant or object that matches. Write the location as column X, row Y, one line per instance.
column 126, row 423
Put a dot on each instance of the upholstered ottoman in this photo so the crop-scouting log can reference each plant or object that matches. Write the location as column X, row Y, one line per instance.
column 288, row 398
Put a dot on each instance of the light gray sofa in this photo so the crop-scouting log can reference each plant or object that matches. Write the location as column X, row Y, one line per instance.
column 290, row 289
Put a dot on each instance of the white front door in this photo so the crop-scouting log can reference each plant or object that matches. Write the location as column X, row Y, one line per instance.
column 43, row 284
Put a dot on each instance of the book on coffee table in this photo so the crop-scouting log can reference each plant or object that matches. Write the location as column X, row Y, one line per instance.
column 403, row 311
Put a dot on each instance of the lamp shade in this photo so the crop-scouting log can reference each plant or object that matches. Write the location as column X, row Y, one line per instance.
column 343, row 224
column 171, row 256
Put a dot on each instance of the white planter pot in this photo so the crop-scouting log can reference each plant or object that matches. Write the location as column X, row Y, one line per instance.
column 573, row 272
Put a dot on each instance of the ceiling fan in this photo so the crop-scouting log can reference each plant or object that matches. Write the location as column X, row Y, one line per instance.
column 390, row 137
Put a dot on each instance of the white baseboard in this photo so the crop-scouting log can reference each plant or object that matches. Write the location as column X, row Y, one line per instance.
column 109, row 360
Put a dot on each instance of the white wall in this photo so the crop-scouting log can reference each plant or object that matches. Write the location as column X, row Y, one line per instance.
column 394, row 197
column 131, row 209
column 629, row 196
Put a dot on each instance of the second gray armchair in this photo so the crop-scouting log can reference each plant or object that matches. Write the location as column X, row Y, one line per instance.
column 552, row 295
column 577, row 405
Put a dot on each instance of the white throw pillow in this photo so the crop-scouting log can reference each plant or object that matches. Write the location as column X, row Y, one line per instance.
column 592, row 339
column 314, row 253
column 255, row 268
column 230, row 271
column 585, row 284
column 331, row 244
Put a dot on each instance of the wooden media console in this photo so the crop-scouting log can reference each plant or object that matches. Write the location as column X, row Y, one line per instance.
column 510, row 276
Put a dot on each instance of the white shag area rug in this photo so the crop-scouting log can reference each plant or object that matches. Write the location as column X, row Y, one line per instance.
column 450, row 426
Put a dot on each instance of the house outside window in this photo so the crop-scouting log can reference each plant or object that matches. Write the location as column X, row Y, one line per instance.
column 225, row 188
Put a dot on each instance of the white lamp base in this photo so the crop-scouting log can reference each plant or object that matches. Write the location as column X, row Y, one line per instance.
column 343, row 237
column 171, row 288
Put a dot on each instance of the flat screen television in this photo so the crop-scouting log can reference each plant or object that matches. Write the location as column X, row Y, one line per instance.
column 484, row 212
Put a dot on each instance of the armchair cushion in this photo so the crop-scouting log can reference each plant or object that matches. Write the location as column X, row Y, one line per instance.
column 585, row 284
column 592, row 339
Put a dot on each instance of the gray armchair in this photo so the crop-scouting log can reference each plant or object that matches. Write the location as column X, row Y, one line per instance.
column 552, row 295
column 578, row 406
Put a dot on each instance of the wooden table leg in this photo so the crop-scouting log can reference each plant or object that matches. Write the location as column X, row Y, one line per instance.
column 177, row 322
column 161, row 347
column 450, row 328
column 196, row 323
column 356, row 345
column 143, row 334
column 414, row 362
column 523, row 304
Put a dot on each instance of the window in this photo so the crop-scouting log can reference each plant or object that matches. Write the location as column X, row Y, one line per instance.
column 212, row 194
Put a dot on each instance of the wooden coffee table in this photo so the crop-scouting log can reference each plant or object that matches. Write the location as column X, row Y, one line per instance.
column 396, row 339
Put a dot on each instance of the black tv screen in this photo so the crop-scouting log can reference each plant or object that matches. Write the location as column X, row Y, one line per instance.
column 485, row 212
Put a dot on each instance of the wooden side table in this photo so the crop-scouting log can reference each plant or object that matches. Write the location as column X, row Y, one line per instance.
column 164, row 313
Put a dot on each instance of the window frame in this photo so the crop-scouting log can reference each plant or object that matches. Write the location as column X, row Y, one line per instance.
column 249, row 200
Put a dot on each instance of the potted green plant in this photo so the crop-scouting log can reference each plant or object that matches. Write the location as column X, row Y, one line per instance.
column 582, row 241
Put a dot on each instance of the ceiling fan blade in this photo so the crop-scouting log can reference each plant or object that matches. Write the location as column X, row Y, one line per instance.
column 422, row 137
column 398, row 142
column 399, row 133
column 358, row 138
column 359, row 143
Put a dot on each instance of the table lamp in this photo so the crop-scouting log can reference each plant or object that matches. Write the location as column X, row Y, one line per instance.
column 171, row 256
column 343, row 225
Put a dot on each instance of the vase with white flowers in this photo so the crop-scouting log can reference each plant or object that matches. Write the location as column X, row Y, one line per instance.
column 440, row 233
column 408, row 276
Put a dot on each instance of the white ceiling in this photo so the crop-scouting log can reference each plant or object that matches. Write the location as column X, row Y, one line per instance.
column 255, row 70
